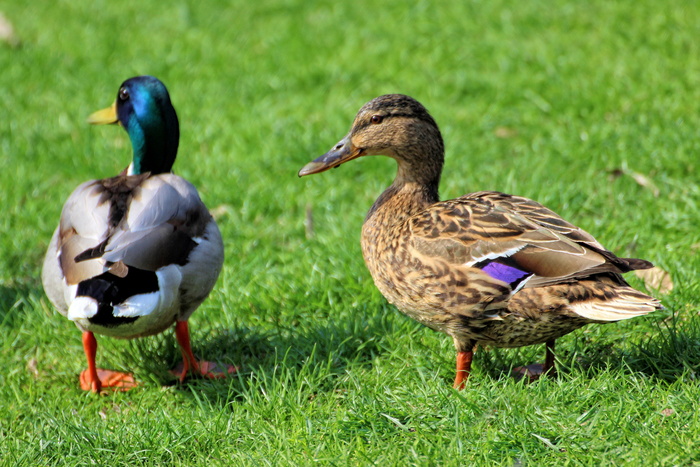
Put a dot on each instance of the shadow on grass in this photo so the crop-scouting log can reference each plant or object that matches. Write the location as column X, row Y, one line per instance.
column 672, row 353
column 668, row 351
column 265, row 357
column 318, row 356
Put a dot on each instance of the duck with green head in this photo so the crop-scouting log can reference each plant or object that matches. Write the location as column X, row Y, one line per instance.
column 136, row 253
column 486, row 268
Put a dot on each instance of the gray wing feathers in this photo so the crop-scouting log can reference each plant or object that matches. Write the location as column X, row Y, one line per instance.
column 164, row 214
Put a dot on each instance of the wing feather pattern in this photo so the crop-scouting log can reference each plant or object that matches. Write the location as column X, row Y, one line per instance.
column 145, row 222
column 483, row 227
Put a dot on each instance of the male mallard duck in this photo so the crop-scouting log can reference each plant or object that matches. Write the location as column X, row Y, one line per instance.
column 487, row 268
column 135, row 253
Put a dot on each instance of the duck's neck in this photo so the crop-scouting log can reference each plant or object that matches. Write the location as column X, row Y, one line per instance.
column 402, row 200
column 415, row 186
column 154, row 154
column 155, row 137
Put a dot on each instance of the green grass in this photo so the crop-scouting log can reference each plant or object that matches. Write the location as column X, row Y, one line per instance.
column 586, row 94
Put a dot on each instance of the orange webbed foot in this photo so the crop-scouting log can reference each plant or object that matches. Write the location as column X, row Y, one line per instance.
column 190, row 363
column 205, row 369
column 533, row 372
column 107, row 380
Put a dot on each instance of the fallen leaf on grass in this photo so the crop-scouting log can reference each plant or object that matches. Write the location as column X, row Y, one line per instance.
column 32, row 367
column 641, row 179
column 7, row 32
column 656, row 279
column 220, row 211
column 504, row 132
column 616, row 173
column 645, row 182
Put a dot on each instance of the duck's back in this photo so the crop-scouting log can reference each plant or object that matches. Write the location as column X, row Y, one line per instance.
column 133, row 223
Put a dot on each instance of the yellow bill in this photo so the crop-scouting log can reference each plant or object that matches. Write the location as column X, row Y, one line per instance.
column 106, row 116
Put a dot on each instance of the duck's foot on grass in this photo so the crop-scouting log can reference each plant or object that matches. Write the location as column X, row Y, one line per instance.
column 533, row 372
column 205, row 369
column 107, row 380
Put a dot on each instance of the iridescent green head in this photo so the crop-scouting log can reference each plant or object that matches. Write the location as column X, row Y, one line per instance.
column 144, row 109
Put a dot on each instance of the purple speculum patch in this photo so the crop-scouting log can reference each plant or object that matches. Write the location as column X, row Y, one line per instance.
column 505, row 273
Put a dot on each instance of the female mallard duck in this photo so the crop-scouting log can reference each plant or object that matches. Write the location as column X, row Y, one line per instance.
column 487, row 268
column 135, row 253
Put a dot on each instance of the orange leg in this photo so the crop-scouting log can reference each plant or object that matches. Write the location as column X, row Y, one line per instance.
column 95, row 379
column 182, row 333
column 464, row 367
column 189, row 362
column 92, row 381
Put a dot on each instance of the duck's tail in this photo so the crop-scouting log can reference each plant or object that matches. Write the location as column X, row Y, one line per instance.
column 613, row 303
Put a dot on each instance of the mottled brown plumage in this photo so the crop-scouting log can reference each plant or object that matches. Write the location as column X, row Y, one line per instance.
column 486, row 268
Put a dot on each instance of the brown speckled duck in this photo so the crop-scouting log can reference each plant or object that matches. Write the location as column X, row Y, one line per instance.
column 487, row 268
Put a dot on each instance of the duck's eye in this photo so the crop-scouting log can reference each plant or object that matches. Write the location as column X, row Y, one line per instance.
column 376, row 119
column 123, row 93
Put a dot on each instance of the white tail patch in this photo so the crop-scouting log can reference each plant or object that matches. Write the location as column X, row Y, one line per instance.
column 615, row 310
column 164, row 298
column 137, row 305
column 82, row 308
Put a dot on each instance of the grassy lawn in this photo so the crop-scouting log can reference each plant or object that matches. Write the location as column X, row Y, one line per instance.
column 588, row 107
